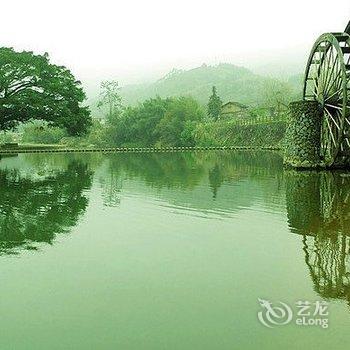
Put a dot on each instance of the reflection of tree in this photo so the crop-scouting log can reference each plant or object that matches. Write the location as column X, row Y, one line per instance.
column 111, row 190
column 190, row 173
column 167, row 170
column 178, row 170
column 215, row 179
column 35, row 208
column 318, row 205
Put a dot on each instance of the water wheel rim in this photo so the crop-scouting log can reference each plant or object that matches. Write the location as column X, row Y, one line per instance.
column 326, row 81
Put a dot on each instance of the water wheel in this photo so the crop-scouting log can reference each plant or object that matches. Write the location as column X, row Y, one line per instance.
column 327, row 82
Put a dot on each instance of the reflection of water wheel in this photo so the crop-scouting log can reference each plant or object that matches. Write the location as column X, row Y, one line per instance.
column 328, row 196
column 335, row 201
column 327, row 82
column 328, row 260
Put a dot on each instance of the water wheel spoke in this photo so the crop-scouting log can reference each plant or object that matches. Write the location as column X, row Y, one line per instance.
column 325, row 140
column 328, row 74
column 334, row 86
column 334, row 94
column 333, row 106
column 348, row 142
column 332, row 136
column 336, row 79
column 340, row 119
column 331, row 133
column 333, row 120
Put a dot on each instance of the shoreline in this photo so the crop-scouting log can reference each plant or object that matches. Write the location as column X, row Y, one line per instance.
column 137, row 149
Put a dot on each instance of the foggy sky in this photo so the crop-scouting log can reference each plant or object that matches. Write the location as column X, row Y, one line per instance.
column 134, row 40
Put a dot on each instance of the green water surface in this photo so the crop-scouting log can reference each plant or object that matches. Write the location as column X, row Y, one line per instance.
column 169, row 251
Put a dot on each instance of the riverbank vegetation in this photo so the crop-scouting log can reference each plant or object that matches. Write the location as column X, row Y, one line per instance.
column 41, row 103
column 176, row 121
column 173, row 121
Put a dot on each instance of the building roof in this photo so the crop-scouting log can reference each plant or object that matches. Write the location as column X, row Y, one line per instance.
column 237, row 104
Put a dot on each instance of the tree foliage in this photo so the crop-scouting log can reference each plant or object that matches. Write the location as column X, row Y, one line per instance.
column 169, row 122
column 276, row 96
column 110, row 97
column 177, row 126
column 33, row 88
column 214, row 105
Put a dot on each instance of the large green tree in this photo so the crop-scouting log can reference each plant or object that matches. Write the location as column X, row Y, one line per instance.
column 33, row 88
column 177, row 126
column 136, row 125
column 157, row 121
column 214, row 105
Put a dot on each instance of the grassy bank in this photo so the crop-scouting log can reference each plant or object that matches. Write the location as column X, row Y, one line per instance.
column 227, row 133
column 259, row 134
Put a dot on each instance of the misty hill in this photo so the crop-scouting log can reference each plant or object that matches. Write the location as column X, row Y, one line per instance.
column 233, row 84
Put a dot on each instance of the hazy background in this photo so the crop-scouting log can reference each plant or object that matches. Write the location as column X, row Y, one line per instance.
column 139, row 41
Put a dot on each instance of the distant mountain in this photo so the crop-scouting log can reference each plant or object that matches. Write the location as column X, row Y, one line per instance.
column 233, row 84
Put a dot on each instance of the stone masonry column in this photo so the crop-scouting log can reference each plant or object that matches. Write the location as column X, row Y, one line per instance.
column 303, row 135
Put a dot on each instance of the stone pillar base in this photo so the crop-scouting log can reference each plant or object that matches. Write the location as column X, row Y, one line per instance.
column 302, row 140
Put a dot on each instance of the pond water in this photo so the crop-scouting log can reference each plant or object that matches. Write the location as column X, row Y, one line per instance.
column 172, row 251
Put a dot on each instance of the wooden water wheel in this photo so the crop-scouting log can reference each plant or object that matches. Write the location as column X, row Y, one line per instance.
column 327, row 81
